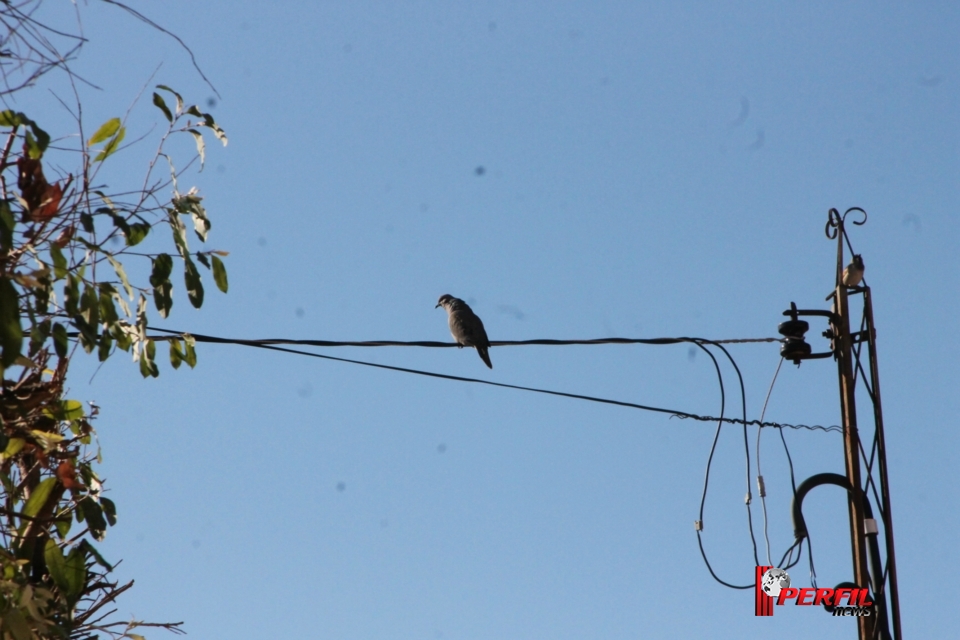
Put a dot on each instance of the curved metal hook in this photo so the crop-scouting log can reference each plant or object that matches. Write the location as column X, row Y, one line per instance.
column 834, row 222
column 858, row 210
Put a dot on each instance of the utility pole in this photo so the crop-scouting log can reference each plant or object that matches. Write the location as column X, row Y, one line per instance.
column 870, row 569
column 851, row 437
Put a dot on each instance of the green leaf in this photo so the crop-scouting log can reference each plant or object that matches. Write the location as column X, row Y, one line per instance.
column 36, row 142
column 158, row 101
column 106, row 130
column 16, row 624
column 191, row 203
column 191, row 277
column 219, row 274
column 91, row 550
column 10, row 118
column 71, row 410
column 86, row 221
column 39, row 335
column 59, row 262
column 121, row 274
column 7, row 224
column 90, row 306
column 14, row 445
column 190, row 353
column 11, row 332
column 69, row 572
column 118, row 221
column 121, row 336
column 138, row 231
column 108, row 312
column 217, row 131
column 106, row 344
column 60, row 340
column 179, row 99
column 112, row 145
column 176, row 354
column 179, row 231
column 63, row 527
column 200, row 145
column 204, row 260
column 71, row 294
column 39, row 496
column 76, row 573
column 109, row 510
column 89, row 510
column 148, row 366
column 162, row 287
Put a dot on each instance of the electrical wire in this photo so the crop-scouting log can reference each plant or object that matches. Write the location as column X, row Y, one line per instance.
column 760, row 486
column 746, row 450
column 683, row 415
column 706, row 477
column 274, row 345
column 496, row 343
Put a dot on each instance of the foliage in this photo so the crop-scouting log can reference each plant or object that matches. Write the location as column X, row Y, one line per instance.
column 64, row 241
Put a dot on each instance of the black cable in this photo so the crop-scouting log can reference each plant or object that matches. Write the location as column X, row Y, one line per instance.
column 706, row 475
column 746, row 447
column 495, row 343
column 683, row 415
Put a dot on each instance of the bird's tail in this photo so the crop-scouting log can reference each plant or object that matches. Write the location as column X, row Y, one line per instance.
column 485, row 356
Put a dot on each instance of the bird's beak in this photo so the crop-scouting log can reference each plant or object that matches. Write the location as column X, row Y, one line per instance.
column 438, row 306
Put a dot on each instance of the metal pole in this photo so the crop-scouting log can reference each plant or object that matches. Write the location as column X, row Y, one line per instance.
column 882, row 459
column 851, row 441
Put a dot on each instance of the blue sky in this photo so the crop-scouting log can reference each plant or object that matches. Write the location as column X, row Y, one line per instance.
column 648, row 170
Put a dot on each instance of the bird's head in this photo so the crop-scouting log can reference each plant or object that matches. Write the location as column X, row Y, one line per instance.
column 444, row 299
column 858, row 261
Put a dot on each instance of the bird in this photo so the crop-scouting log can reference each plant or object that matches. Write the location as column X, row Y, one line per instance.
column 465, row 327
column 853, row 274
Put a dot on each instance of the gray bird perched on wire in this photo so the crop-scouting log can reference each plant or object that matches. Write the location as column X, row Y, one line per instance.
column 853, row 274
column 465, row 327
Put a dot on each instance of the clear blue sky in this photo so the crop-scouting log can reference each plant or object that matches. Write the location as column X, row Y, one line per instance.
column 649, row 169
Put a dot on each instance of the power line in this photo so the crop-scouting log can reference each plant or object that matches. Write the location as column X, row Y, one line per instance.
column 493, row 343
column 272, row 344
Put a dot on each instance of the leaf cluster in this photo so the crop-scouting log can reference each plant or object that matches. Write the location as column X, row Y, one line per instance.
column 67, row 245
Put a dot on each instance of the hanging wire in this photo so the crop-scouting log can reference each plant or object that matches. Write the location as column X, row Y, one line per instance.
column 760, row 486
column 274, row 345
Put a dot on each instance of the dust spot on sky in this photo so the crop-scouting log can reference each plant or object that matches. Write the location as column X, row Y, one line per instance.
column 911, row 220
column 744, row 112
column 511, row 310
